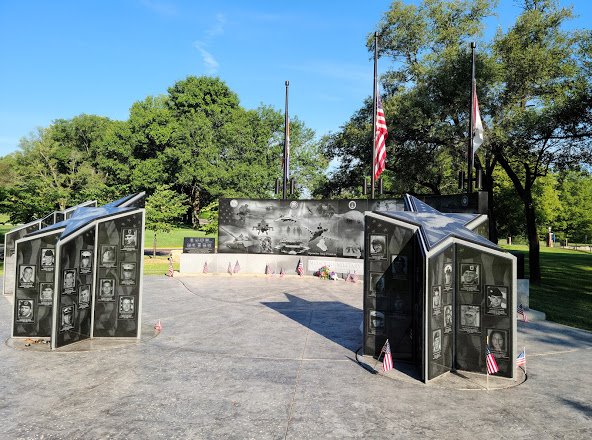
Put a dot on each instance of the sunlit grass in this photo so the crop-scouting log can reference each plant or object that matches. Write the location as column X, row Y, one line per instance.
column 565, row 292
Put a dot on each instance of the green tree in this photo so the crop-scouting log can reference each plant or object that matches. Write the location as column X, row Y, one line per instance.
column 425, row 98
column 162, row 209
column 534, row 94
column 575, row 217
column 541, row 111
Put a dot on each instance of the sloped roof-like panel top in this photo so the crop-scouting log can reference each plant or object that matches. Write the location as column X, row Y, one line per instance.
column 435, row 226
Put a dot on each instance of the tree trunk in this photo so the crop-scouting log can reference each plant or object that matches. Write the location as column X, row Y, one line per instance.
column 195, row 206
column 533, row 244
column 492, row 216
column 525, row 193
column 491, row 212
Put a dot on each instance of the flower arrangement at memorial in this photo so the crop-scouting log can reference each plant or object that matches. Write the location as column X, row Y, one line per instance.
column 325, row 273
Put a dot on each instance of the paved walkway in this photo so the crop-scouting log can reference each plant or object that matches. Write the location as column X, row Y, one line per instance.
column 268, row 358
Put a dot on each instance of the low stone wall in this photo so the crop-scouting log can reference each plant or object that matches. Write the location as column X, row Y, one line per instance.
column 256, row 264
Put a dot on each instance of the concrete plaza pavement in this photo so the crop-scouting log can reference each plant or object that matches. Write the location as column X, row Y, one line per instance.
column 268, row 358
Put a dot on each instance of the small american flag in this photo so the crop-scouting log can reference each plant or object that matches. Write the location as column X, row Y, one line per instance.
column 229, row 270
column 492, row 367
column 171, row 271
column 205, row 268
column 236, row 267
column 300, row 267
column 522, row 313
column 379, row 139
column 158, row 326
column 282, row 273
column 387, row 360
column 521, row 359
column 267, row 270
column 353, row 277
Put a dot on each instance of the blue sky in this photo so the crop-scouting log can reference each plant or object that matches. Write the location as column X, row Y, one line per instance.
column 62, row 58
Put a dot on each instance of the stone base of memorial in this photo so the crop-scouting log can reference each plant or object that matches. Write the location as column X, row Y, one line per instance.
column 257, row 264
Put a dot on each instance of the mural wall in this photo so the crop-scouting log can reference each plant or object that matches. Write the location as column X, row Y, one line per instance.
column 332, row 228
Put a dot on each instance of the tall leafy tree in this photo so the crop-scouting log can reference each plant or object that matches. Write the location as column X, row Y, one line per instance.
column 425, row 97
column 534, row 94
column 163, row 208
column 541, row 115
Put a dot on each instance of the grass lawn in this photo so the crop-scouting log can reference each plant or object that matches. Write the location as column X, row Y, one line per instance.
column 565, row 293
column 158, row 265
column 173, row 239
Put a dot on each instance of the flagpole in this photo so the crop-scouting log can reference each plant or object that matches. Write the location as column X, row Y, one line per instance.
column 487, row 344
column 524, row 360
column 471, row 123
column 374, row 96
column 286, row 146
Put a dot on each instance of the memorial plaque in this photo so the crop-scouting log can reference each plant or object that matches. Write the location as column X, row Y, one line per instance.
column 498, row 342
column 69, row 282
column 399, row 265
column 447, row 319
column 376, row 323
column 47, row 260
column 106, row 290
column 85, row 261
column 46, row 294
column 26, row 277
column 129, row 239
column 377, row 247
column 126, row 307
column 84, row 296
column 470, row 318
column 376, row 284
column 25, row 311
column 436, row 300
column 199, row 245
column 470, row 278
column 496, row 301
column 67, row 318
column 437, row 344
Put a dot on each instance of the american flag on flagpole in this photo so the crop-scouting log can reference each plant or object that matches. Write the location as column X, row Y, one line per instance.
column 492, row 367
column 267, row 270
column 236, row 267
column 282, row 273
column 229, row 270
column 205, row 268
column 522, row 313
column 477, row 124
column 380, row 139
column 300, row 267
column 387, row 360
column 521, row 359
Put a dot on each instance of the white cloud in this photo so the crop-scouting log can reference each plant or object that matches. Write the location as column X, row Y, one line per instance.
column 217, row 28
column 208, row 59
column 201, row 45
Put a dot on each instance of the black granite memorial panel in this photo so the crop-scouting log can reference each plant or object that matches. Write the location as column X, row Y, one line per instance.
column 75, row 281
column 440, row 316
column 484, row 299
column 34, row 287
column 389, row 283
column 118, row 277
